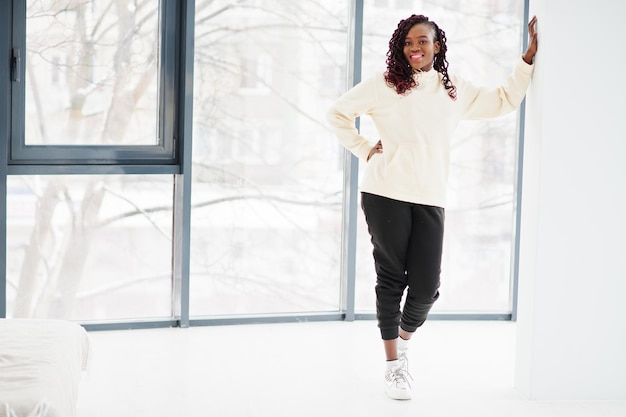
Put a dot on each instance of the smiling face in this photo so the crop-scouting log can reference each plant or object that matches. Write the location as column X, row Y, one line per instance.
column 420, row 47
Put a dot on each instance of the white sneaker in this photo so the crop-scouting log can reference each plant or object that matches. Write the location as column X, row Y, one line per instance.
column 397, row 383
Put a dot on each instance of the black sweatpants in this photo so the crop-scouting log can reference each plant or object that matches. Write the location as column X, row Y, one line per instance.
column 407, row 240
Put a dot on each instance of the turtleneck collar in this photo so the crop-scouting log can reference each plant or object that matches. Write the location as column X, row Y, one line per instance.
column 426, row 75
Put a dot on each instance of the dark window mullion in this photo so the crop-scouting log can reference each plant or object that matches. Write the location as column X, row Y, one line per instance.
column 5, row 108
column 17, row 88
column 170, row 28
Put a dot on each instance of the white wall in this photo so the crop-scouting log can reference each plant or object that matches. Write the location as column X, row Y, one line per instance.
column 572, row 293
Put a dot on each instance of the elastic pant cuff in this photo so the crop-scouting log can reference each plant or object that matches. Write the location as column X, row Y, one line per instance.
column 390, row 333
column 408, row 329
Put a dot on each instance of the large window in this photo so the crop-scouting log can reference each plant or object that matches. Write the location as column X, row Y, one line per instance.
column 94, row 91
column 113, row 214
column 89, row 248
column 483, row 39
column 92, row 82
column 266, row 217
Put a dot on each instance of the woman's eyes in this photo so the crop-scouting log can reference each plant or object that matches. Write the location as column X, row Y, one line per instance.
column 419, row 42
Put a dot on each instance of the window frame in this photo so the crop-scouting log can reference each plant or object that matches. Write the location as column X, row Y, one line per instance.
column 59, row 159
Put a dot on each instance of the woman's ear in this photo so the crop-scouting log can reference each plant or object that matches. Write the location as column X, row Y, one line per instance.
column 437, row 47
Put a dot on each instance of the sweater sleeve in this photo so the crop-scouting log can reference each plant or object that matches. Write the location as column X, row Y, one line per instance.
column 342, row 115
column 484, row 103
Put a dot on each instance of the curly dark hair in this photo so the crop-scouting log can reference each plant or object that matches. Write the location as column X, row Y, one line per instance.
column 399, row 74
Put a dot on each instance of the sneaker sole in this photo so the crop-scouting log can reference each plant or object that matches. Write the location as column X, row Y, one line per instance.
column 400, row 396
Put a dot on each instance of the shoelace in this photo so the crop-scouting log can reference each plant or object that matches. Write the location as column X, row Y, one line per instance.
column 401, row 374
column 405, row 366
column 400, row 377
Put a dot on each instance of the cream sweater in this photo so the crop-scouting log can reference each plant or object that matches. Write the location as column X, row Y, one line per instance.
column 415, row 129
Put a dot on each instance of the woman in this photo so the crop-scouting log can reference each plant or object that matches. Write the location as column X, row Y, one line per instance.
column 415, row 106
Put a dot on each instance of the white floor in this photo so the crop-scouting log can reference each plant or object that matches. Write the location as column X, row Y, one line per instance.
column 309, row 369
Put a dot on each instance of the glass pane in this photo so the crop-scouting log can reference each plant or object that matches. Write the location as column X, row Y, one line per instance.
column 91, row 72
column 483, row 39
column 89, row 247
column 266, row 217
